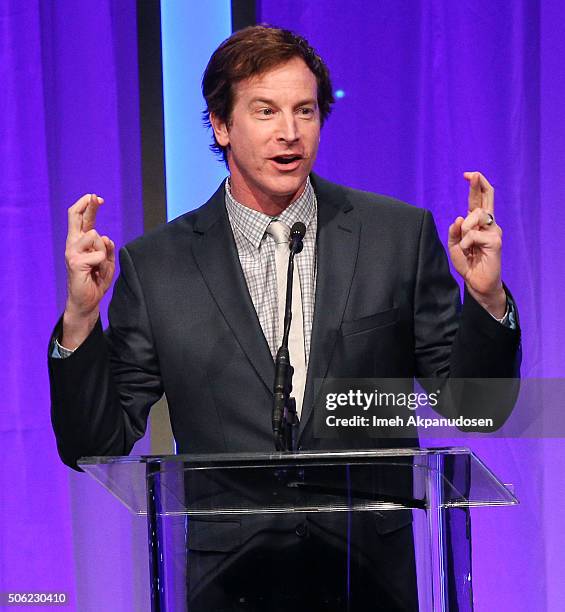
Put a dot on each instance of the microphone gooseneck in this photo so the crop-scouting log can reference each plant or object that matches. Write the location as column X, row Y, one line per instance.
column 284, row 418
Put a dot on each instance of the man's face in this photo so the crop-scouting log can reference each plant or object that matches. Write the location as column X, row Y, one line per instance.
column 273, row 136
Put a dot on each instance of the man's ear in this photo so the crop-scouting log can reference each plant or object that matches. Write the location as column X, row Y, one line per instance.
column 220, row 130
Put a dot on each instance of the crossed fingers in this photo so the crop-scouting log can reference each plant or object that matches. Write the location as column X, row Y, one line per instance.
column 82, row 215
column 83, row 241
column 481, row 192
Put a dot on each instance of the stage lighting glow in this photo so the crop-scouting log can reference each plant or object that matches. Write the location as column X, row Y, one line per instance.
column 190, row 32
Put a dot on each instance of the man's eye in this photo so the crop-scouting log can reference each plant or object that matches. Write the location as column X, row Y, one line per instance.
column 306, row 111
column 266, row 112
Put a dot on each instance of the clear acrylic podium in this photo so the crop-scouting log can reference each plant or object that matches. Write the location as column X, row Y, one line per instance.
column 215, row 502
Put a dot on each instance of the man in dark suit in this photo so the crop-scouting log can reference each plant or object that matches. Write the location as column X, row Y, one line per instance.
column 195, row 311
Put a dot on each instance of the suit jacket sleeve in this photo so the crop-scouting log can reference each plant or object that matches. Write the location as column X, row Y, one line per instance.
column 101, row 395
column 469, row 344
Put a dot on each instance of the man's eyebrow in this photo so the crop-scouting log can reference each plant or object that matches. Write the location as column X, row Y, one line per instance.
column 273, row 103
column 262, row 101
column 312, row 101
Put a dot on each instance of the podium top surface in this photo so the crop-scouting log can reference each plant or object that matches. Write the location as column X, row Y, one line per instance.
column 307, row 481
column 213, row 459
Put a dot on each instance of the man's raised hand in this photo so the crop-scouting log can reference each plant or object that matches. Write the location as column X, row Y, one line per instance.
column 90, row 260
column 475, row 245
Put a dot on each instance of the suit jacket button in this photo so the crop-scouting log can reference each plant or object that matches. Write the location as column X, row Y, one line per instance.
column 301, row 530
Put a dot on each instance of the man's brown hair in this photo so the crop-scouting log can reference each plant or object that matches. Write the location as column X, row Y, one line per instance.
column 251, row 52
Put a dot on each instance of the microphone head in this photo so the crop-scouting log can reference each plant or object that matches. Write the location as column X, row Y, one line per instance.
column 297, row 231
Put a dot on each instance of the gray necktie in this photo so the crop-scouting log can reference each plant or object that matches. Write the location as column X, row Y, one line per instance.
column 281, row 233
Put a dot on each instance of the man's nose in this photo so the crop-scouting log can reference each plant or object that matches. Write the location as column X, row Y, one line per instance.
column 288, row 128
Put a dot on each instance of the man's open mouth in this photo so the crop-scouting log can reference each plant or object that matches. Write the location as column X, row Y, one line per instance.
column 286, row 159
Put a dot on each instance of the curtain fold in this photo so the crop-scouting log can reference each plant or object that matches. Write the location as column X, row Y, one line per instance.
column 68, row 125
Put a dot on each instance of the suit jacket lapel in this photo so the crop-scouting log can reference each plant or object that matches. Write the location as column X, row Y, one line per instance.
column 216, row 255
column 337, row 248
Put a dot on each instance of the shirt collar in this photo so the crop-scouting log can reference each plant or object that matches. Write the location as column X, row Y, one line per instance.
column 252, row 223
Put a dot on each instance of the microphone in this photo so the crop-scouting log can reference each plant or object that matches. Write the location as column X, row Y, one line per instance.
column 297, row 232
column 284, row 418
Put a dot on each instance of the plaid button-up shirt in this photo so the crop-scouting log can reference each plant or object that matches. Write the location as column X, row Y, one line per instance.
column 256, row 250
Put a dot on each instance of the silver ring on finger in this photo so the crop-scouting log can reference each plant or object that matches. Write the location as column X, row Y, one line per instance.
column 490, row 219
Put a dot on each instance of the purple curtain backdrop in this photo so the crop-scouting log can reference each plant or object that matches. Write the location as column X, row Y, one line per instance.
column 68, row 125
column 433, row 88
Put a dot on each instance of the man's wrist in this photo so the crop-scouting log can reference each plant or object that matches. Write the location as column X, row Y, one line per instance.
column 60, row 351
column 76, row 329
column 504, row 318
column 495, row 304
